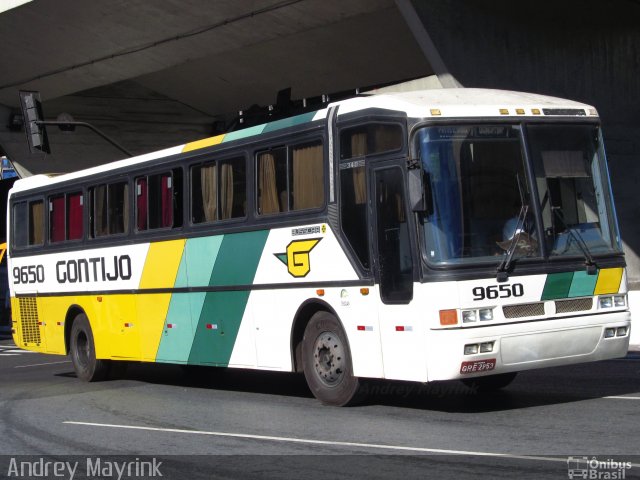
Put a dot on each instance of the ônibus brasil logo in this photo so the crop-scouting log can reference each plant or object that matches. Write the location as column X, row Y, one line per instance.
column 297, row 258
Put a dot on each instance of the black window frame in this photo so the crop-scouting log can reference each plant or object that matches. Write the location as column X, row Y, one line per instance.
column 237, row 157
column 288, row 147
column 91, row 233
column 176, row 174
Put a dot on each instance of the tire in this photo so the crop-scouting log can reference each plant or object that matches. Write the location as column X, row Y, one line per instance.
column 83, row 352
column 491, row 383
column 326, row 361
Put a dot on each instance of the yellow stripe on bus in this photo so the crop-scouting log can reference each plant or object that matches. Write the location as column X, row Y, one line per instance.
column 609, row 280
column 161, row 266
column 205, row 142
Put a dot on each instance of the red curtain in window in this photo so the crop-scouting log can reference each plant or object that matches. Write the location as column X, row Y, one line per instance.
column 56, row 219
column 74, row 216
column 167, row 201
column 141, row 203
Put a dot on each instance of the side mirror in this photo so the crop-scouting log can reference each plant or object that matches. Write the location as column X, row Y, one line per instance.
column 416, row 189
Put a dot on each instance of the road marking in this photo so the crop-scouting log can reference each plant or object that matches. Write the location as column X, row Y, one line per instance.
column 15, row 350
column 322, row 442
column 624, row 398
column 40, row 364
column 8, row 354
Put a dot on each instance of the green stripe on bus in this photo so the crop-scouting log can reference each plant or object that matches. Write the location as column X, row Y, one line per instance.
column 195, row 269
column 557, row 286
column 289, row 122
column 238, row 258
column 222, row 312
column 201, row 257
column 244, row 133
column 218, row 327
column 175, row 342
column 583, row 284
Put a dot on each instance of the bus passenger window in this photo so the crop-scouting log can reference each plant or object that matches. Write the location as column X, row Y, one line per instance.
column 204, row 193
column 56, row 219
column 74, row 227
column 65, row 217
column 20, row 230
column 233, row 190
column 272, row 182
column 307, row 177
column 291, row 178
column 110, row 209
column 159, row 200
column 218, row 190
column 28, row 223
column 36, row 222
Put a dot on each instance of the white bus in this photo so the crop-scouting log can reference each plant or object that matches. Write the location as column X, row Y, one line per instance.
column 433, row 235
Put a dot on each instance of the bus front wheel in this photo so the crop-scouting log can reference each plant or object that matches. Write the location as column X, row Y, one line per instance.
column 83, row 352
column 326, row 362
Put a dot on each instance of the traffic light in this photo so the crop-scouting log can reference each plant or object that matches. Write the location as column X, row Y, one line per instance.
column 33, row 122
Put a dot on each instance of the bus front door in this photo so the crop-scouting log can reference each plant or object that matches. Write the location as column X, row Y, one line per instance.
column 400, row 335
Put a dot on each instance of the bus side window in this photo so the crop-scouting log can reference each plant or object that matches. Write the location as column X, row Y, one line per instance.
column 291, row 178
column 218, row 190
column 159, row 200
column 20, row 223
column 307, row 176
column 65, row 217
column 75, row 226
column 110, row 209
column 233, row 188
column 36, row 222
column 272, row 181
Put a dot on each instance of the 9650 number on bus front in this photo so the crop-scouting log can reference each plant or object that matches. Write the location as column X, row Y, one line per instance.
column 498, row 291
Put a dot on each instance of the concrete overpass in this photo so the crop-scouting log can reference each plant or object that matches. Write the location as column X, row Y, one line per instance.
column 155, row 74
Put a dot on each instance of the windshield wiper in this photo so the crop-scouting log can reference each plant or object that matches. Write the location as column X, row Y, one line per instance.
column 592, row 268
column 502, row 274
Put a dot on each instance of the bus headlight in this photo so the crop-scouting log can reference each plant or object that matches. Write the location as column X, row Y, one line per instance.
column 471, row 349
column 473, row 315
column 621, row 331
column 486, row 347
column 619, row 301
column 605, row 302
column 469, row 316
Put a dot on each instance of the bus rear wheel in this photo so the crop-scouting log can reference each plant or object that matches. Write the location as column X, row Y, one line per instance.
column 83, row 352
column 491, row 383
column 326, row 362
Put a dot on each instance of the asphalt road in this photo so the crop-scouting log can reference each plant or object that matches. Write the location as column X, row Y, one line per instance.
column 243, row 424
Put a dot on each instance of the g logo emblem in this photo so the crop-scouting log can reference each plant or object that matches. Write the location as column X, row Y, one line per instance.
column 296, row 258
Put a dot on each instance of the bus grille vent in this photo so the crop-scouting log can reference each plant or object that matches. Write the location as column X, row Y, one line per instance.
column 574, row 305
column 523, row 310
column 29, row 320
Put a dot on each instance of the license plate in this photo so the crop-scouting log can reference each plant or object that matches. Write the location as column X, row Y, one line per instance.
column 478, row 366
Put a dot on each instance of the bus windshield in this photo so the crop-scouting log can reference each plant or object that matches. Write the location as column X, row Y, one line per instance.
column 478, row 194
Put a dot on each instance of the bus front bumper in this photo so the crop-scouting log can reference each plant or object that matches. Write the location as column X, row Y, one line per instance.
column 489, row 350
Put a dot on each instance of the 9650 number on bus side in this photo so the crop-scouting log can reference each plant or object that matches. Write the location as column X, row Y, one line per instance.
column 28, row 274
column 498, row 291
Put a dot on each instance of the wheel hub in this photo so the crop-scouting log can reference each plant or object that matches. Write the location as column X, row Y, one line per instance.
column 329, row 360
